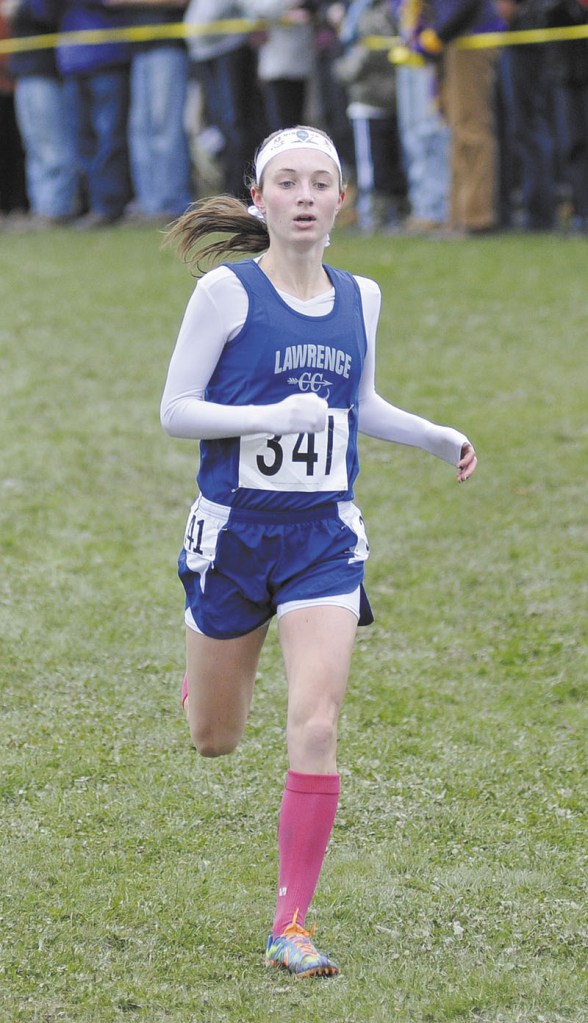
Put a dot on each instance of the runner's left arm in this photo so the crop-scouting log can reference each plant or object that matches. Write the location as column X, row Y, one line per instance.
column 378, row 418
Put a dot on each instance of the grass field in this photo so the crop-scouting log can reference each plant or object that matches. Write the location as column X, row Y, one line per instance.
column 136, row 880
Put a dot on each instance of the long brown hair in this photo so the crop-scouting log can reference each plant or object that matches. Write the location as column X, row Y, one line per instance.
column 218, row 215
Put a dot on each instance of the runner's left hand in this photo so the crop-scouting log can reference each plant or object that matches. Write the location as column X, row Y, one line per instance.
column 466, row 466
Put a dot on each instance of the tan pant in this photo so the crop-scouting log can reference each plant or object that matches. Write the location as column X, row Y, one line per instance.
column 469, row 100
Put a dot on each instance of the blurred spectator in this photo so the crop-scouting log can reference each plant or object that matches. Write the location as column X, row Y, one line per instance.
column 570, row 63
column 286, row 58
column 424, row 132
column 13, row 197
column 509, row 162
column 44, row 123
column 225, row 65
column 330, row 96
column 469, row 97
column 528, row 112
column 370, row 81
column 114, row 111
column 161, row 169
column 97, row 91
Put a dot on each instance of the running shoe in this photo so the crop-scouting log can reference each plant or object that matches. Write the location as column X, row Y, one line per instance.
column 295, row 952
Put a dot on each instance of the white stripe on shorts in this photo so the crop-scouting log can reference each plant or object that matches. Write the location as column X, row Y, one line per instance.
column 350, row 601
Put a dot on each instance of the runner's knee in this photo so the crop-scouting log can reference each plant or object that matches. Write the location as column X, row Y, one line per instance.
column 211, row 742
column 316, row 735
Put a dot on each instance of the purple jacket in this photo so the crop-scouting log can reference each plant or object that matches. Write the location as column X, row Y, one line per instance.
column 76, row 15
column 453, row 18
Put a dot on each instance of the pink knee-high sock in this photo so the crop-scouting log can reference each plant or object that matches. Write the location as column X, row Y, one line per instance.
column 309, row 805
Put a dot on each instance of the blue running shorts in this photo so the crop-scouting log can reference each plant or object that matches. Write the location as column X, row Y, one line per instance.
column 237, row 566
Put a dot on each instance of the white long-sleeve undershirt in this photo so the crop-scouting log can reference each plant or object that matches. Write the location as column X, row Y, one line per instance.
column 214, row 315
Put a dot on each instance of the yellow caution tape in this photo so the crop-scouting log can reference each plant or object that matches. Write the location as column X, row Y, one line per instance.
column 488, row 40
column 399, row 53
column 131, row 34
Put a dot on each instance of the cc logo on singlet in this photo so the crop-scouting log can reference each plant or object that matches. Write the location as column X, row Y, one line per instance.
column 314, row 382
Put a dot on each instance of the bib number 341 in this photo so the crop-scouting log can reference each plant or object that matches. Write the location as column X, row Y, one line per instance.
column 297, row 461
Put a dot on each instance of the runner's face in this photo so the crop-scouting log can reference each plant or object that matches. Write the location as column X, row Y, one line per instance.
column 301, row 196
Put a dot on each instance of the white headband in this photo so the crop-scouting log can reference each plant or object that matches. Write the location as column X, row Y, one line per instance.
column 295, row 138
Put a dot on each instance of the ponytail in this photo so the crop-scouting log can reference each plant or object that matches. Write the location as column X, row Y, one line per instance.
column 221, row 214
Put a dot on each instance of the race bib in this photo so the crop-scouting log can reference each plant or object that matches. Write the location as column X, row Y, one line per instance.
column 297, row 461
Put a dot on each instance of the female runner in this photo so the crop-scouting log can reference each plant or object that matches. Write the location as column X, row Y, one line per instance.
column 273, row 372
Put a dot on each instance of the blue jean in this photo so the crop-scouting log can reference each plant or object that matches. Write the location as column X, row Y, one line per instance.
column 576, row 121
column 160, row 157
column 378, row 168
column 231, row 90
column 528, row 91
column 425, row 139
column 46, row 131
column 99, row 107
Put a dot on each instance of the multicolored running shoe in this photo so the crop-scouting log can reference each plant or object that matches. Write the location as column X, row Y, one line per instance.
column 295, row 952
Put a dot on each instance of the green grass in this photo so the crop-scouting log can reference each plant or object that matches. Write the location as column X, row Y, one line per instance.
column 136, row 880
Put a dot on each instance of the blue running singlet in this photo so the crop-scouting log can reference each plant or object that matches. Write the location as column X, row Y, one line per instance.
column 278, row 352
